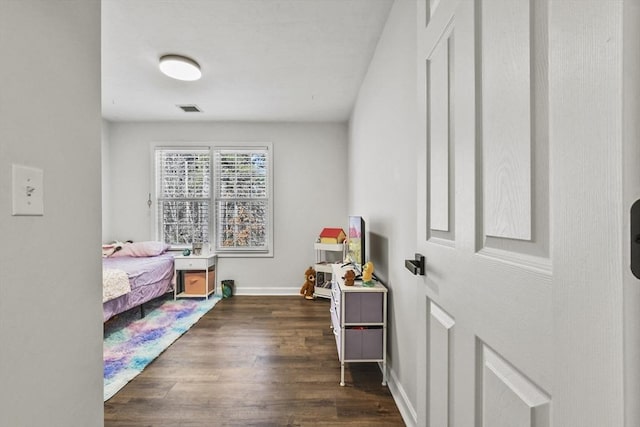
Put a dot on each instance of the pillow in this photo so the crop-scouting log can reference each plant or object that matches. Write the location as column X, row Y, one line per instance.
column 141, row 249
column 108, row 250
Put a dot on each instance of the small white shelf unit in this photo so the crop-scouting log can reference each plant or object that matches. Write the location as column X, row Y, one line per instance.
column 200, row 263
column 323, row 264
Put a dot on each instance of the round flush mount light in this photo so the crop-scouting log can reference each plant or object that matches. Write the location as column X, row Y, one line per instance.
column 180, row 67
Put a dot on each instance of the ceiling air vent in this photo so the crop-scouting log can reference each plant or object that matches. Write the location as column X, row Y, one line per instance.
column 190, row 108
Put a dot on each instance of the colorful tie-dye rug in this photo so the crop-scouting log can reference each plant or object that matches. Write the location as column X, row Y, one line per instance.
column 131, row 343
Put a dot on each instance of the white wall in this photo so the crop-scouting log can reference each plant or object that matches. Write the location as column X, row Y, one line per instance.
column 106, row 177
column 50, row 272
column 310, row 191
column 382, row 167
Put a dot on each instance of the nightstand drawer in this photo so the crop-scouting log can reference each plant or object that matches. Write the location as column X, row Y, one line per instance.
column 192, row 263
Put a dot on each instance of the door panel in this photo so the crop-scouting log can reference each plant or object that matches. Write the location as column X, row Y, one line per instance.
column 487, row 349
column 505, row 112
column 441, row 329
column 439, row 125
column 512, row 110
column 507, row 398
column 527, row 166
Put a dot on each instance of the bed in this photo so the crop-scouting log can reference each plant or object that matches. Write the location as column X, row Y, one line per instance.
column 134, row 275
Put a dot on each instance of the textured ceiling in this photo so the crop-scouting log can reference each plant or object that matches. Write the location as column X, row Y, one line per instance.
column 262, row 60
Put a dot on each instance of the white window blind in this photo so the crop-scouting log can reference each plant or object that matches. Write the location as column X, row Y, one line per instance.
column 183, row 193
column 242, row 199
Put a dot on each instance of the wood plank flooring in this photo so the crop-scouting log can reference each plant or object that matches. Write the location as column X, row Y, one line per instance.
column 255, row 361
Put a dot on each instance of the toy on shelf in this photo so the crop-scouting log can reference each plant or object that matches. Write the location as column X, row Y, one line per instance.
column 332, row 235
column 349, row 278
column 367, row 274
column 309, row 283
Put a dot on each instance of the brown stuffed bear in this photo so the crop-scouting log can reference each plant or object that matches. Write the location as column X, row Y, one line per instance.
column 349, row 278
column 309, row 283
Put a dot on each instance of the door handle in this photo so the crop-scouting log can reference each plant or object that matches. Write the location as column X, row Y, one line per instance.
column 634, row 226
column 416, row 265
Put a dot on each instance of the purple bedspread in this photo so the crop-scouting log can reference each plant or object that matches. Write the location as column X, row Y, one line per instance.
column 149, row 277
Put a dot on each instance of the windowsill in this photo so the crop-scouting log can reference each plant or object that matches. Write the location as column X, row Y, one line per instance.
column 178, row 251
column 244, row 254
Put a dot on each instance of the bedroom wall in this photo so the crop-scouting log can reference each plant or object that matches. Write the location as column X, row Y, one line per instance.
column 382, row 169
column 50, row 272
column 106, row 177
column 310, row 190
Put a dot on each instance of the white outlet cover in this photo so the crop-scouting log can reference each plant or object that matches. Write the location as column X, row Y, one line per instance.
column 28, row 193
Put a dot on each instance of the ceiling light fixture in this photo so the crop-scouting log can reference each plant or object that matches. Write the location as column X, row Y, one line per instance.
column 180, row 67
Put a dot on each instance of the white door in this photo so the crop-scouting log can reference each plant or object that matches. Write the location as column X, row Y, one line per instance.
column 524, row 184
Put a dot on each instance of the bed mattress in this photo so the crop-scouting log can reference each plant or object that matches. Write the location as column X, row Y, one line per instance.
column 149, row 277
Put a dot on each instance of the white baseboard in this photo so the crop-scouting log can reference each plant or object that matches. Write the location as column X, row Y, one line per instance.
column 271, row 291
column 409, row 414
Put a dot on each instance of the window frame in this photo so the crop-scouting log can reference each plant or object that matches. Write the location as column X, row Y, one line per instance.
column 241, row 252
column 213, row 225
column 154, row 204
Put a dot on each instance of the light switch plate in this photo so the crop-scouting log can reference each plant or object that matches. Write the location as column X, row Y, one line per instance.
column 28, row 197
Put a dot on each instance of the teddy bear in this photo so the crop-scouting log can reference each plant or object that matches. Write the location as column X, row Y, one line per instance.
column 349, row 278
column 309, row 283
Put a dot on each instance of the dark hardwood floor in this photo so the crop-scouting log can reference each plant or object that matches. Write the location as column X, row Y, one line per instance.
column 255, row 361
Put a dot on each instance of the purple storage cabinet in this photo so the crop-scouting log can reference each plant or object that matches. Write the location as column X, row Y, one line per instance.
column 359, row 322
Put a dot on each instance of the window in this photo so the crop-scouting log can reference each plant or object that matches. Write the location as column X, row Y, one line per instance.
column 183, row 194
column 242, row 199
column 218, row 195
